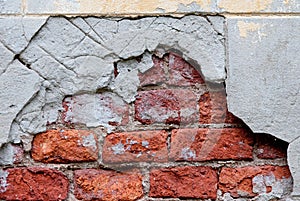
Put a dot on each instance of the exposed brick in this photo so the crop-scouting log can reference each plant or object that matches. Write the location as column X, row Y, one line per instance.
column 92, row 184
column 211, row 144
column 181, row 73
column 249, row 181
column 213, row 109
column 155, row 75
column 136, row 146
column 166, row 106
column 184, row 182
column 63, row 146
column 95, row 109
column 268, row 147
column 33, row 184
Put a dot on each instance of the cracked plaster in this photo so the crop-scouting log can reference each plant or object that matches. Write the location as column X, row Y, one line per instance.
column 61, row 57
column 74, row 56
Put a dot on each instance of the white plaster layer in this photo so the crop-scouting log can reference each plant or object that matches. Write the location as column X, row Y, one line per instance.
column 7, row 154
column 263, row 82
column 10, row 6
column 18, row 86
column 16, row 32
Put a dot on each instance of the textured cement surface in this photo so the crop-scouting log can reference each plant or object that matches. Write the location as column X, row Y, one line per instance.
column 263, row 82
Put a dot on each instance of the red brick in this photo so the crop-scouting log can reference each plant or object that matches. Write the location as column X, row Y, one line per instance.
column 155, row 75
column 184, row 182
column 241, row 181
column 33, row 184
column 63, row 146
column 181, row 73
column 91, row 184
column 213, row 109
column 166, row 106
column 268, row 147
column 106, row 109
column 211, row 144
column 139, row 146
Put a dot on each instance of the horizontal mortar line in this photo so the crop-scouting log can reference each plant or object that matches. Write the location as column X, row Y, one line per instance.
column 152, row 165
column 238, row 14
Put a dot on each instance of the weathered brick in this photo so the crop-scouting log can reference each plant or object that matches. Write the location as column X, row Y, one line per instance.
column 181, row 73
column 250, row 181
column 63, row 146
column 213, row 109
column 106, row 109
column 155, row 75
column 269, row 147
column 184, row 182
column 138, row 146
column 211, row 144
column 33, row 184
column 166, row 106
column 92, row 184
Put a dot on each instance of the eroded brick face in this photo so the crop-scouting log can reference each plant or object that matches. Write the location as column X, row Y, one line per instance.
column 166, row 106
column 250, row 181
column 64, row 146
column 213, row 109
column 269, row 147
column 91, row 184
column 184, row 182
column 181, row 73
column 33, row 184
column 105, row 109
column 139, row 146
column 211, row 144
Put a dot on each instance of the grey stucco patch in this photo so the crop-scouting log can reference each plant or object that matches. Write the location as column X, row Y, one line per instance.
column 10, row 6
column 263, row 82
column 16, row 32
column 18, row 86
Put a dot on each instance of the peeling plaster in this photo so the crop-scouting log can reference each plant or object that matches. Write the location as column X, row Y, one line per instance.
column 263, row 83
column 75, row 56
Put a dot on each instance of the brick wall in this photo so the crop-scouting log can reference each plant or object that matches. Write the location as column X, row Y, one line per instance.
column 76, row 123
column 176, row 141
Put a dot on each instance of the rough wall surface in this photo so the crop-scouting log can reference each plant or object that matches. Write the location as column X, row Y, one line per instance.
column 121, row 108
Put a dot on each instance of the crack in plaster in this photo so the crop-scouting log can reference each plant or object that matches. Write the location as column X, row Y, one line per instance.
column 61, row 67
